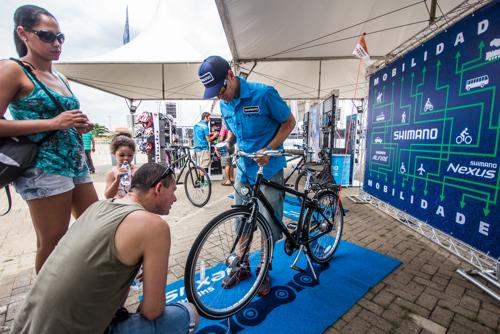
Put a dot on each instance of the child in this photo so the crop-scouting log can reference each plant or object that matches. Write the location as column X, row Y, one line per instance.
column 123, row 148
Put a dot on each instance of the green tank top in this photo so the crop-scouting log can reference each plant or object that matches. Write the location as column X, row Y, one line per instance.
column 63, row 154
column 82, row 283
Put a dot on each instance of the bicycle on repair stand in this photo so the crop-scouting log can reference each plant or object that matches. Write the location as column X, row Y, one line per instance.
column 241, row 238
column 197, row 183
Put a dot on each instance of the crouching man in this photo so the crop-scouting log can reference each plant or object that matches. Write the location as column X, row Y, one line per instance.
column 87, row 277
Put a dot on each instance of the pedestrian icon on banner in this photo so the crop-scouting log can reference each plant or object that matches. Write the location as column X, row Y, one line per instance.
column 421, row 170
column 402, row 169
column 428, row 105
column 403, row 117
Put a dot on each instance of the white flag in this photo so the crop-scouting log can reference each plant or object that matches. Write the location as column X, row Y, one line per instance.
column 361, row 50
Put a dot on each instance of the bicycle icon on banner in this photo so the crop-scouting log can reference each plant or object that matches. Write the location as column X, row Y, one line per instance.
column 464, row 137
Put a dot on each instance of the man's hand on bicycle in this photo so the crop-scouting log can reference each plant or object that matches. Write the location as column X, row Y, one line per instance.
column 262, row 160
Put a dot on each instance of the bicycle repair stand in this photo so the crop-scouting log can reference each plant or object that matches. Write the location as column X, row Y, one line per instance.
column 309, row 263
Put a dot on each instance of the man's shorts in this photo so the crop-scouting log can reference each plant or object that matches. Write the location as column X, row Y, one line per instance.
column 34, row 183
column 203, row 158
column 226, row 160
column 176, row 319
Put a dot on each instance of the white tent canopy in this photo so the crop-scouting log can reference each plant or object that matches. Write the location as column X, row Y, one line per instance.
column 303, row 48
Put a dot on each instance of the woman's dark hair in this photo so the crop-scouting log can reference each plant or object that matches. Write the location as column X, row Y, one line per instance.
column 27, row 16
column 149, row 173
column 122, row 139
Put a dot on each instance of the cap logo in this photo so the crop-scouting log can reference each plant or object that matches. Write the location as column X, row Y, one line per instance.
column 207, row 78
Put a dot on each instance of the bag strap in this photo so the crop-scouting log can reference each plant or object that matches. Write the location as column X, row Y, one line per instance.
column 58, row 105
column 9, row 201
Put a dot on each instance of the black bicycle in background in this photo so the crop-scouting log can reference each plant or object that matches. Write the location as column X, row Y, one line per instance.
column 241, row 238
column 321, row 177
column 197, row 183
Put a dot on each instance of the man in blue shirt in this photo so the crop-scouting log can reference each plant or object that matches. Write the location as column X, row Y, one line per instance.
column 202, row 137
column 260, row 120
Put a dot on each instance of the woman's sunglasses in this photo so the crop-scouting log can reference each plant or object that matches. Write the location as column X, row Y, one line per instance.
column 48, row 36
column 168, row 171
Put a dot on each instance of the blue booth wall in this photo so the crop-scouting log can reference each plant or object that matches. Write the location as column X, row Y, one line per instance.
column 433, row 132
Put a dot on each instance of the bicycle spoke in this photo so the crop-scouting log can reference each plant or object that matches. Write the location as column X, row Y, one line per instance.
column 218, row 257
column 324, row 227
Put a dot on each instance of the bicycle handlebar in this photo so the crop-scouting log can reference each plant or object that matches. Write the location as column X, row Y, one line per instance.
column 268, row 153
column 294, row 151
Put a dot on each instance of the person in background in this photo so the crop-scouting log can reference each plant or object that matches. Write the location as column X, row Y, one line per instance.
column 87, row 277
column 59, row 183
column 226, row 158
column 260, row 120
column 123, row 148
column 89, row 146
column 202, row 138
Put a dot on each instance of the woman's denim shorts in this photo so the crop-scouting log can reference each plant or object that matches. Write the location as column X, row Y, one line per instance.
column 35, row 183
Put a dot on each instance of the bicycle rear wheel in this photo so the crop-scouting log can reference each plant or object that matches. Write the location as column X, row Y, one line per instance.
column 300, row 182
column 218, row 252
column 197, row 185
column 324, row 226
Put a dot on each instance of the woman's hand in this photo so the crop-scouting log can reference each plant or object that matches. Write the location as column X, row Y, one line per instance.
column 70, row 119
column 86, row 129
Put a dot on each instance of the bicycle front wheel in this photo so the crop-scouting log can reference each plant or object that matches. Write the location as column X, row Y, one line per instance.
column 228, row 250
column 198, row 186
column 324, row 226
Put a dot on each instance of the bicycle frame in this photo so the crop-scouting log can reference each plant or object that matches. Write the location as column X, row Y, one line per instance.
column 189, row 161
column 296, row 168
column 305, row 203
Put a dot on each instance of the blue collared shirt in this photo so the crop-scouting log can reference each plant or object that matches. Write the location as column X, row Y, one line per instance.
column 254, row 118
column 200, row 133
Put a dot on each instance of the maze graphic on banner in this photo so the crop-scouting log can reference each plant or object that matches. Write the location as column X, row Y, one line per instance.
column 433, row 132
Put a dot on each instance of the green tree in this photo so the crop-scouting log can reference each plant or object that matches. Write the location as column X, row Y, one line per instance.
column 100, row 131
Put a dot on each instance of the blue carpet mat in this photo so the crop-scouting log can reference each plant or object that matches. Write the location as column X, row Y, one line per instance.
column 298, row 304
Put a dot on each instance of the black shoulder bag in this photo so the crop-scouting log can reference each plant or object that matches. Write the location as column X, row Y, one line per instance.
column 19, row 153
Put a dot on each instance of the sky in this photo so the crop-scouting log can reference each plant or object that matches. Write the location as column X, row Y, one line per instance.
column 95, row 27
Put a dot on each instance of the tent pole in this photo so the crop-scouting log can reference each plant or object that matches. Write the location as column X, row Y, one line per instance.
column 319, row 81
column 163, row 81
column 432, row 13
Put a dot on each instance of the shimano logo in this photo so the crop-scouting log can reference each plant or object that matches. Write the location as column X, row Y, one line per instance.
column 472, row 171
column 207, row 78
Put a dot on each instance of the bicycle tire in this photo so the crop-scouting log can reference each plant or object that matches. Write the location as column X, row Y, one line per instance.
column 322, row 234
column 210, row 260
column 300, row 182
column 319, row 181
column 197, row 185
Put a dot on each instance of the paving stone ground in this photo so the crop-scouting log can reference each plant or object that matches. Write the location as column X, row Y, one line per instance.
column 423, row 295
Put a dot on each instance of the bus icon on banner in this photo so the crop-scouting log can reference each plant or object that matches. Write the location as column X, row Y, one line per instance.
column 477, row 82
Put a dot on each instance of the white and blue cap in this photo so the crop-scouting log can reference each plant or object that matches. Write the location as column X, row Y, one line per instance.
column 213, row 73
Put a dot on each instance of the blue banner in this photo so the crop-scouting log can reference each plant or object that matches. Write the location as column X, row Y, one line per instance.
column 433, row 132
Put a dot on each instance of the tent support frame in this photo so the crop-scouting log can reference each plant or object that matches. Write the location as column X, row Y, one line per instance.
column 488, row 269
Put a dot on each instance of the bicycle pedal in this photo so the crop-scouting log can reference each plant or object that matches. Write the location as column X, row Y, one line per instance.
column 292, row 226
